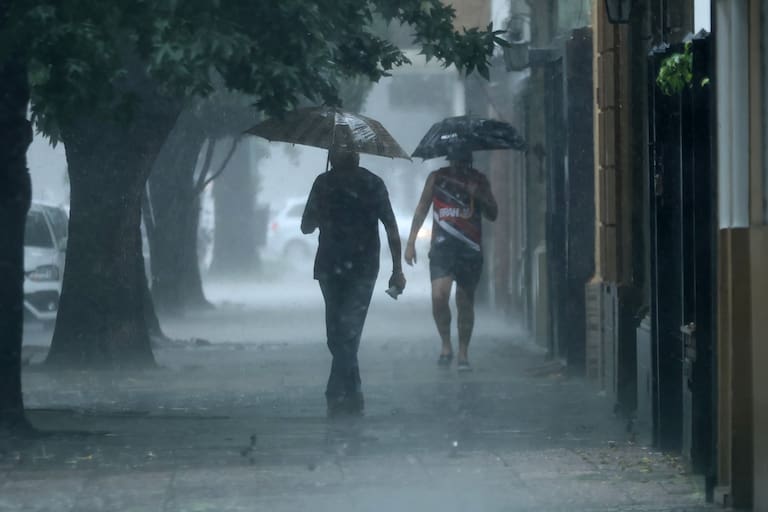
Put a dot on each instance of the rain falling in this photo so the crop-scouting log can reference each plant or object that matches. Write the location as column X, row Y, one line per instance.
column 419, row 255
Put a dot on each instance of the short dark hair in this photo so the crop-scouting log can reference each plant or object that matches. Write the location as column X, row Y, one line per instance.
column 459, row 154
column 342, row 156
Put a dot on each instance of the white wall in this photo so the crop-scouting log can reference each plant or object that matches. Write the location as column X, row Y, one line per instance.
column 732, row 113
column 48, row 168
column 764, row 49
column 702, row 15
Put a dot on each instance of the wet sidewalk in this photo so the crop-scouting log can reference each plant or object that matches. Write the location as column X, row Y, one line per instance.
column 239, row 425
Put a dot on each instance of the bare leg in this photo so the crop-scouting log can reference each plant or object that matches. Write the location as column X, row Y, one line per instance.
column 441, row 311
column 465, row 308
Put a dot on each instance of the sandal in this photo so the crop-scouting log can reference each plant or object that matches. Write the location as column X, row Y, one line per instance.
column 445, row 360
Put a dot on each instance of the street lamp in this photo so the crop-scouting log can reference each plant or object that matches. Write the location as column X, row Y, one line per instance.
column 619, row 11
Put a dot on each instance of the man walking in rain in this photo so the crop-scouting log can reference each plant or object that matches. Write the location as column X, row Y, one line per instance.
column 346, row 204
column 460, row 197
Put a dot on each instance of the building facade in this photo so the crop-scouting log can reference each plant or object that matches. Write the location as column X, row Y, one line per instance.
column 741, row 89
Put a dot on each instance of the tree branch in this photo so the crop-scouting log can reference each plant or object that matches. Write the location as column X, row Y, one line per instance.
column 200, row 182
column 147, row 211
column 223, row 166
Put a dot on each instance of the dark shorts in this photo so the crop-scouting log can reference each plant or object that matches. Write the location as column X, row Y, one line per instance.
column 463, row 265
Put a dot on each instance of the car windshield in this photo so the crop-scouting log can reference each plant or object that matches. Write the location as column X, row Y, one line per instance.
column 37, row 233
column 59, row 222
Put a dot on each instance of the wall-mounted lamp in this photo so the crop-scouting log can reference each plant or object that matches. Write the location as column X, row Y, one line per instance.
column 619, row 11
column 516, row 56
column 519, row 38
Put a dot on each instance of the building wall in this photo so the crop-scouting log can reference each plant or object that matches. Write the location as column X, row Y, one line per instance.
column 471, row 13
column 759, row 300
column 759, row 247
column 763, row 63
column 506, row 169
column 612, row 209
column 743, row 266
column 734, row 329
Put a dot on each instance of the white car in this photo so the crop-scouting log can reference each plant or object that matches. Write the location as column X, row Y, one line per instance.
column 286, row 242
column 45, row 243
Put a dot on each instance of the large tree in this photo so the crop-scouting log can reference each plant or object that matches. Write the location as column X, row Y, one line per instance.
column 212, row 126
column 110, row 82
column 183, row 169
column 235, row 240
column 15, row 197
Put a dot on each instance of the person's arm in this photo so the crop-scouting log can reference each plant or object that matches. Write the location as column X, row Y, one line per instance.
column 422, row 209
column 483, row 194
column 387, row 217
column 310, row 219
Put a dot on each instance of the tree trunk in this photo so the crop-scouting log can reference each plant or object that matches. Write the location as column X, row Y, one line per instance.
column 191, row 285
column 15, row 197
column 101, row 319
column 234, row 248
column 150, row 314
column 102, row 313
column 176, row 282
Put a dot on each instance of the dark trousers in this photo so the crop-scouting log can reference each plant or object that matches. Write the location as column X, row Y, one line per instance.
column 346, row 306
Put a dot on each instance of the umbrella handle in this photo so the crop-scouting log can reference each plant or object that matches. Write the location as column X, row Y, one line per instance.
column 333, row 139
column 471, row 208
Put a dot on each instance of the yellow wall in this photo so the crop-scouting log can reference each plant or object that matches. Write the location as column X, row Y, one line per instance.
column 758, row 252
column 471, row 13
column 759, row 278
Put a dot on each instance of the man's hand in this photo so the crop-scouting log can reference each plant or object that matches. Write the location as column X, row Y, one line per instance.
column 410, row 253
column 397, row 280
column 472, row 187
column 480, row 189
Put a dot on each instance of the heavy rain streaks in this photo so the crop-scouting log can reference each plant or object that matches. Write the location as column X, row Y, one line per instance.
column 368, row 256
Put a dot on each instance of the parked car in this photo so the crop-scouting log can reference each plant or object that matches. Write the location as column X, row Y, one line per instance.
column 45, row 243
column 286, row 242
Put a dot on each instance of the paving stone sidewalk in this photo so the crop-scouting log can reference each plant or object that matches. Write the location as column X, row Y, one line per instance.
column 239, row 425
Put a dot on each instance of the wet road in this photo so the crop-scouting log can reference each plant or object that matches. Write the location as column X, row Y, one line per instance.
column 239, row 424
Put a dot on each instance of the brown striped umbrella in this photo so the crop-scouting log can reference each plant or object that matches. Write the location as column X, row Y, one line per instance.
column 322, row 127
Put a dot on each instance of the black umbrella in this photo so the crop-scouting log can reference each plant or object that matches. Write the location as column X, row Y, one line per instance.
column 468, row 133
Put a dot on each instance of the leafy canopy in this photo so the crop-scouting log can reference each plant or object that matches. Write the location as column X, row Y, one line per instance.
column 279, row 52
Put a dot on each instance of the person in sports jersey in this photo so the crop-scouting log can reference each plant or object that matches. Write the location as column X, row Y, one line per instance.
column 460, row 197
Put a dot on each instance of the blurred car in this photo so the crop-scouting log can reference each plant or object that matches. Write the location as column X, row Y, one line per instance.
column 45, row 243
column 286, row 242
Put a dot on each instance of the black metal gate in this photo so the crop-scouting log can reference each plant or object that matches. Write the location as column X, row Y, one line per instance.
column 579, row 190
column 683, row 238
column 555, row 212
column 570, row 196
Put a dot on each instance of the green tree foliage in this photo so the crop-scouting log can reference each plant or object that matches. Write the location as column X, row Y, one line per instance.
column 110, row 78
column 278, row 52
column 676, row 72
